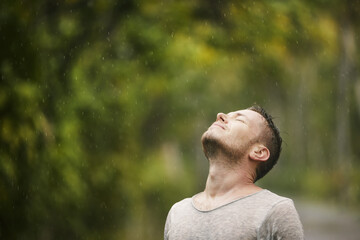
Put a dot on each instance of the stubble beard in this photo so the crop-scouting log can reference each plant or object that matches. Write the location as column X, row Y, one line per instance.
column 214, row 146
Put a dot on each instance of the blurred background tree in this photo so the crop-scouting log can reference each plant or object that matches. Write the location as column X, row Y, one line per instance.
column 103, row 104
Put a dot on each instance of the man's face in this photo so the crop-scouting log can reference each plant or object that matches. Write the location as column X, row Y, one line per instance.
column 233, row 133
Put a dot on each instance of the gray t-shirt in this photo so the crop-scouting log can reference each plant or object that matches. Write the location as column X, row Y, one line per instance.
column 262, row 215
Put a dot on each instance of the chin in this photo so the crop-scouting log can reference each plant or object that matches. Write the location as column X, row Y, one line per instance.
column 211, row 133
column 208, row 136
column 211, row 144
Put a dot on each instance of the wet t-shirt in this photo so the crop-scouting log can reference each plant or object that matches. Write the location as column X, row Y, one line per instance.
column 262, row 215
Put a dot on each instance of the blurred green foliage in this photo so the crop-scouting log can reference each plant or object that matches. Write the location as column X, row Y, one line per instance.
column 103, row 104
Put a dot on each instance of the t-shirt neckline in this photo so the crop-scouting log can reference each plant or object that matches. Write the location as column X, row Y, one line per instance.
column 225, row 204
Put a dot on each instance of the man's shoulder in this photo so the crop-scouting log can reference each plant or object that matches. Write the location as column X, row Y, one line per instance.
column 283, row 216
column 271, row 196
column 185, row 203
column 270, row 199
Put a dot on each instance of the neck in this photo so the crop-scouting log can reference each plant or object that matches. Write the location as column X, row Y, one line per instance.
column 227, row 180
column 225, row 183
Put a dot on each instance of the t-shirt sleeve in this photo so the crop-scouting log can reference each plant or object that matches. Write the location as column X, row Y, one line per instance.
column 167, row 226
column 282, row 222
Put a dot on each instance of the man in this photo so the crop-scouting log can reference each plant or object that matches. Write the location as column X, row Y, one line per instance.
column 241, row 147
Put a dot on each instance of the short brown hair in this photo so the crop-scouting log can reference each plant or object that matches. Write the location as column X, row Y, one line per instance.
column 272, row 141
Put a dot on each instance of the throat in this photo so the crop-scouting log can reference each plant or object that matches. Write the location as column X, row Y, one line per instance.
column 223, row 186
column 224, row 180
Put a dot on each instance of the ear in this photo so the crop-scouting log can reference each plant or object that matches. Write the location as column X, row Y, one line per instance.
column 259, row 153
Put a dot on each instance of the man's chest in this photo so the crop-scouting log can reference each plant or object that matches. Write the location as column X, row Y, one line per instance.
column 228, row 225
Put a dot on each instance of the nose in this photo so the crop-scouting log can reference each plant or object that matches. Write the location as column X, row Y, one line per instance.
column 221, row 117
